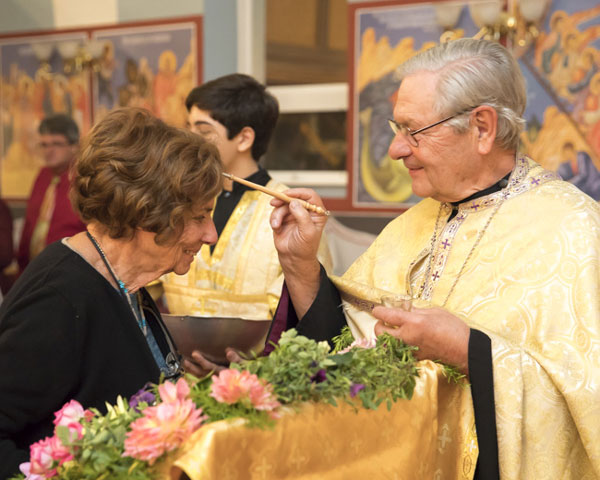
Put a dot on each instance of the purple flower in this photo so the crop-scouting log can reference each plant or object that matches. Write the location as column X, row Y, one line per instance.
column 319, row 377
column 355, row 388
column 141, row 396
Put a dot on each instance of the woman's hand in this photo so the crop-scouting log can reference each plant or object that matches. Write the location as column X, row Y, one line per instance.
column 439, row 335
column 200, row 367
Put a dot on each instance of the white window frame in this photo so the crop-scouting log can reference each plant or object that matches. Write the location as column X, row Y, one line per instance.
column 322, row 97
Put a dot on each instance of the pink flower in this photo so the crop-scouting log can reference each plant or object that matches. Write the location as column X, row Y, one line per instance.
column 26, row 470
column 233, row 386
column 71, row 412
column 59, row 452
column 69, row 416
column 88, row 415
column 262, row 397
column 172, row 392
column 50, row 452
column 41, row 461
column 165, row 426
column 360, row 343
column 45, row 456
column 230, row 386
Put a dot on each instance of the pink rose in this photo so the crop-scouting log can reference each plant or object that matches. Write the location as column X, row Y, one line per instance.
column 59, row 452
column 75, row 431
column 45, row 456
column 69, row 416
column 41, row 459
column 70, row 413
column 26, row 470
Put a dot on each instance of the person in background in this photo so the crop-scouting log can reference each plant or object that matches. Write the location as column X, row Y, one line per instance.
column 49, row 215
column 7, row 253
column 78, row 324
column 240, row 275
column 500, row 260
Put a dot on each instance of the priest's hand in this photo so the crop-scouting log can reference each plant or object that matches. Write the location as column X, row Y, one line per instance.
column 199, row 366
column 297, row 234
column 296, row 231
column 439, row 335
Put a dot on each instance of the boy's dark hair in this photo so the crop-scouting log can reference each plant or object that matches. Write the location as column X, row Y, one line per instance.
column 60, row 124
column 237, row 101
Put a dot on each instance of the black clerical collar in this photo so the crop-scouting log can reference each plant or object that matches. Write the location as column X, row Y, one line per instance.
column 496, row 187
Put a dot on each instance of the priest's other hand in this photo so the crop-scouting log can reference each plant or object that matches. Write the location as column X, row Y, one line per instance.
column 199, row 366
column 440, row 335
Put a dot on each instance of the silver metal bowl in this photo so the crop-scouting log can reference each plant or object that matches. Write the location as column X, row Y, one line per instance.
column 212, row 335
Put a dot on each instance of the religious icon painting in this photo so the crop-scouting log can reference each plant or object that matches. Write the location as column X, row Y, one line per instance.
column 563, row 94
column 561, row 66
column 385, row 34
column 149, row 66
column 35, row 81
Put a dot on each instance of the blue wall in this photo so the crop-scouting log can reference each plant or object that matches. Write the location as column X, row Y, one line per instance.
column 16, row 15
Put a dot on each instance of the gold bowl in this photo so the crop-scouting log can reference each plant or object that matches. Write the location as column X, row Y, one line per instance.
column 212, row 335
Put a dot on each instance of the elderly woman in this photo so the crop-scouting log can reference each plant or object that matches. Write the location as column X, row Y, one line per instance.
column 501, row 260
column 78, row 323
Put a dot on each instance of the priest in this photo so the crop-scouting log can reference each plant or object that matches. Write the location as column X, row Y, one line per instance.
column 500, row 259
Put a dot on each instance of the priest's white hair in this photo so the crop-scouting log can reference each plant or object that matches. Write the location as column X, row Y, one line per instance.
column 473, row 73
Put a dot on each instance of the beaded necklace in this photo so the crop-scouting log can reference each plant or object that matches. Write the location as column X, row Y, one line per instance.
column 141, row 319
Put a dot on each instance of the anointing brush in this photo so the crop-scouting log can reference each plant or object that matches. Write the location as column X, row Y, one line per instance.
column 279, row 195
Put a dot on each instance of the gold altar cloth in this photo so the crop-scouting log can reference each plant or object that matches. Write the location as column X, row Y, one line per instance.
column 430, row 436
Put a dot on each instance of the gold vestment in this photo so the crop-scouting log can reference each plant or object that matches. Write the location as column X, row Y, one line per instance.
column 531, row 284
column 242, row 277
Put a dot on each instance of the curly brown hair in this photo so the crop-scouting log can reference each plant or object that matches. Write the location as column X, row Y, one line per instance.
column 136, row 172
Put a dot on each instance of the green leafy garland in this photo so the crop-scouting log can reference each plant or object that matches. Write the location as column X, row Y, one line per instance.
column 302, row 370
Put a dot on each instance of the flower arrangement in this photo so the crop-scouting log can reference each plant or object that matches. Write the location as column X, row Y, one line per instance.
column 132, row 439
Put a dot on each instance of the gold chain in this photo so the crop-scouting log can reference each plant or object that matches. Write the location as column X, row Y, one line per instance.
column 477, row 240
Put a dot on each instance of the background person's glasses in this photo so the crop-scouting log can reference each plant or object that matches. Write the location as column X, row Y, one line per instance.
column 45, row 145
column 409, row 134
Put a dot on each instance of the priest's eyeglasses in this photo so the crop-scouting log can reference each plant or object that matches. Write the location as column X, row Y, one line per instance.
column 409, row 134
